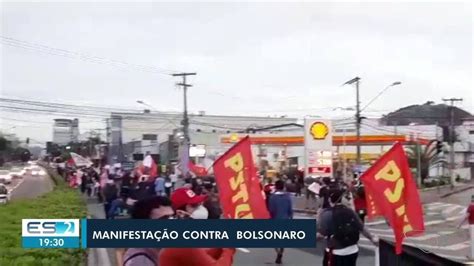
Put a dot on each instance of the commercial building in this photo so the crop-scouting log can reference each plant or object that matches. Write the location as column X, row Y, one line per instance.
column 283, row 147
column 127, row 132
column 65, row 131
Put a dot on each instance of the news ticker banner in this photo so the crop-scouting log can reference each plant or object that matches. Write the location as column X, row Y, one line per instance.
column 100, row 233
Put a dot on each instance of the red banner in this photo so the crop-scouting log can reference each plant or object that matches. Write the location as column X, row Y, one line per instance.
column 239, row 188
column 197, row 170
column 372, row 210
column 390, row 184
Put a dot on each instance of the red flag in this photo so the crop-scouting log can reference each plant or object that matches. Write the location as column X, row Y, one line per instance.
column 71, row 162
column 197, row 170
column 148, row 167
column 390, row 184
column 239, row 188
column 372, row 210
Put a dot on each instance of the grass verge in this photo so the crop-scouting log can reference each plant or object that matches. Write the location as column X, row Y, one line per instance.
column 62, row 202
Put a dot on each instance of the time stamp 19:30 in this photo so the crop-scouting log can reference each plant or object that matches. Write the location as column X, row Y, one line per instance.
column 50, row 233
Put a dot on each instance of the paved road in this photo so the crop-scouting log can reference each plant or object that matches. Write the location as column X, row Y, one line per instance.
column 30, row 186
column 441, row 234
column 243, row 257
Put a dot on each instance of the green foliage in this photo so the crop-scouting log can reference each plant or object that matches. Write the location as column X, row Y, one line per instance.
column 62, row 202
column 428, row 158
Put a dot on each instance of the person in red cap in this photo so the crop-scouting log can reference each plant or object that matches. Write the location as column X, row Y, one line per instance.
column 189, row 205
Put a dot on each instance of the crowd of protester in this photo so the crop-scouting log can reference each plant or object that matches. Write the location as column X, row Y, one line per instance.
column 134, row 195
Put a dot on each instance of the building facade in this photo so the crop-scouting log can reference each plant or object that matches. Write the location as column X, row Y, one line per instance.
column 65, row 131
column 127, row 128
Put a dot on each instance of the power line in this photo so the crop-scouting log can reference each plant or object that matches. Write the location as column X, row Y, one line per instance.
column 81, row 56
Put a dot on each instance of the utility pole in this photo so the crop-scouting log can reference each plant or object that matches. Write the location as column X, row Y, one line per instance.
column 451, row 137
column 184, row 158
column 356, row 80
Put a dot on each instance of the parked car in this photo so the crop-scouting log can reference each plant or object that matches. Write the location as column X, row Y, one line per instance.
column 5, row 177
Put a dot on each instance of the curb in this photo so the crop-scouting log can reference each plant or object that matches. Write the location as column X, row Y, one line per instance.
column 456, row 191
column 433, row 188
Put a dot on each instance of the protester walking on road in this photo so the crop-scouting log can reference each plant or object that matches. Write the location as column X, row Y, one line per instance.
column 280, row 207
column 360, row 203
column 160, row 185
column 169, row 186
column 143, row 189
column 150, row 208
column 341, row 227
column 189, row 205
column 109, row 194
column 324, row 193
column 212, row 203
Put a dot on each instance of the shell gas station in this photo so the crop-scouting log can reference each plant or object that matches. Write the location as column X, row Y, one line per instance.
column 290, row 144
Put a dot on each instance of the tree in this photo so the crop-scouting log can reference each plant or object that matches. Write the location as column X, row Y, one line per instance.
column 428, row 158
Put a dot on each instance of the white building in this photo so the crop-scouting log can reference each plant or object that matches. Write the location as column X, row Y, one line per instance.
column 126, row 128
column 65, row 131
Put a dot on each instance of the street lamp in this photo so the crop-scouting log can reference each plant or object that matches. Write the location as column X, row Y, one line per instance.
column 380, row 93
column 344, row 108
column 147, row 105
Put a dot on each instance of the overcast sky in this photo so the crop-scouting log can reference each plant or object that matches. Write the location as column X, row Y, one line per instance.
column 251, row 59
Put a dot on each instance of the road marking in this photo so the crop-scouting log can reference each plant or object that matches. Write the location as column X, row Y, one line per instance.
column 452, row 208
column 375, row 222
column 244, row 250
column 456, row 217
column 433, row 204
column 16, row 186
column 418, row 238
column 380, row 230
column 441, row 206
column 430, row 236
column 434, row 222
column 383, row 222
column 457, row 246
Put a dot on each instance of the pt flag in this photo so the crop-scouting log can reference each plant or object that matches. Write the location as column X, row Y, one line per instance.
column 394, row 194
column 197, row 170
column 239, row 188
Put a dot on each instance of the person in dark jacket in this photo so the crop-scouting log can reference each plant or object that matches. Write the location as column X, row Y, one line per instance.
column 212, row 202
column 110, row 193
column 143, row 189
column 126, row 184
column 280, row 206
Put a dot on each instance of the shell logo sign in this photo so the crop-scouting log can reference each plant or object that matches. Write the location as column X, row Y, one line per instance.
column 318, row 147
column 234, row 138
column 319, row 130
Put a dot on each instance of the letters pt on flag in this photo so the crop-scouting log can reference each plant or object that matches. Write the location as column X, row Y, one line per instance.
column 394, row 194
column 239, row 188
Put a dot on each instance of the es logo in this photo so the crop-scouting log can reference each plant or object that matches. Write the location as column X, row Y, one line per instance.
column 50, row 227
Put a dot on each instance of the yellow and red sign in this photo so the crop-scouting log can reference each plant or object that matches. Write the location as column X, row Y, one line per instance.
column 319, row 130
column 239, row 188
column 318, row 147
column 392, row 192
